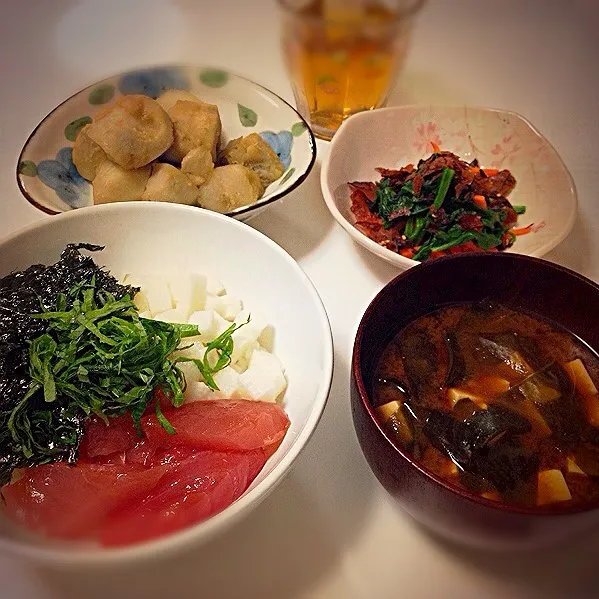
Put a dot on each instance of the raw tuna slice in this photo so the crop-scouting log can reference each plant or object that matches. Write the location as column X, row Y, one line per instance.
column 219, row 425
column 71, row 502
column 101, row 439
column 196, row 488
column 127, row 489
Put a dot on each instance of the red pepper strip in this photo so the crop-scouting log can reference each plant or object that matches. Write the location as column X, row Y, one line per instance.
column 522, row 230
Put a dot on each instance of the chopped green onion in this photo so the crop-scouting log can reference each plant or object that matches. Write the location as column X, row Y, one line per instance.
column 519, row 209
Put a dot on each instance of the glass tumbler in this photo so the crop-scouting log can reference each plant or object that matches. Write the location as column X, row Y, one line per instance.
column 343, row 56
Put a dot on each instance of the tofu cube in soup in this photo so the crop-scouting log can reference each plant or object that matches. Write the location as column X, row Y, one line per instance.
column 552, row 487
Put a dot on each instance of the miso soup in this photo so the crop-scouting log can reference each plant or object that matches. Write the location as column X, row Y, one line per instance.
column 496, row 401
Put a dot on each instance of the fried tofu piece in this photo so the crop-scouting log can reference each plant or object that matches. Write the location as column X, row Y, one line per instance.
column 198, row 165
column 87, row 155
column 256, row 154
column 230, row 187
column 196, row 125
column 168, row 184
column 113, row 183
column 133, row 131
column 171, row 96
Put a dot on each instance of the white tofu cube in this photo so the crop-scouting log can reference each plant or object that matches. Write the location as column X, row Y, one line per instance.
column 212, row 301
column 267, row 338
column 156, row 292
column 245, row 339
column 241, row 365
column 190, row 372
column 221, row 324
column 243, row 345
column 147, row 315
column 141, row 302
column 206, row 323
column 194, row 350
column 227, row 381
column 228, row 307
column 264, row 379
column 173, row 315
column 214, row 286
column 254, row 328
column 199, row 391
column 188, row 293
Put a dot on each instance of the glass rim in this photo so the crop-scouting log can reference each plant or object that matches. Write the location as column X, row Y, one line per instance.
column 409, row 11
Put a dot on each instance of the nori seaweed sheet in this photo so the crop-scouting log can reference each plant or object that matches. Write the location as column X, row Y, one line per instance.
column 21, row 294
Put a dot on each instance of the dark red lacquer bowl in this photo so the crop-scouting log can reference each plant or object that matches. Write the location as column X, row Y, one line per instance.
column 517, row 281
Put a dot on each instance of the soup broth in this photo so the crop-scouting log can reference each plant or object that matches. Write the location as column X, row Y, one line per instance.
column 496, row 401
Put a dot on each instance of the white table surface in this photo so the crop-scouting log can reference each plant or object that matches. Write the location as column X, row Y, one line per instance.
column 329, row 530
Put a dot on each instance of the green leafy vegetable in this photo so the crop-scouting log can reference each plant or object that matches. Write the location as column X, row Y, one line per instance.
column 443, row 205
column 223, row 347
column 390, row 204
column 446, row 178
column 97, row 356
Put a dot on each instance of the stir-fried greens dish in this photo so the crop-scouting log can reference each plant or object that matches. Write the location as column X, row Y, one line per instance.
column 442, row 206
column 103, row 434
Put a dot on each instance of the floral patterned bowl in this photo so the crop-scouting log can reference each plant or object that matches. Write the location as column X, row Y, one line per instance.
column 394, row 137
column 48, row 178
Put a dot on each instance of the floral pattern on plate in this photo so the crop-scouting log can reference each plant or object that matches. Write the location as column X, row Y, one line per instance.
column 62, row 176
column 281, row 143
column 153, row 82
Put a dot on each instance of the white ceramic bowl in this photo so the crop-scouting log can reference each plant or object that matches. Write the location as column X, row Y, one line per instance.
column 140, row 236
column 394, row 137
column 49, row 180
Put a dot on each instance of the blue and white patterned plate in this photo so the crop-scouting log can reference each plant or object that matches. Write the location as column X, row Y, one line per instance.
column 48, row 178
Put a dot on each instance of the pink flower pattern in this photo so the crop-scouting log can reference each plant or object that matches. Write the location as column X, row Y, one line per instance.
column 425, row 134
column 502, row 151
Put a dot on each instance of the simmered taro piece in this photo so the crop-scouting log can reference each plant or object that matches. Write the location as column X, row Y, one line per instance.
column 499, row 402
